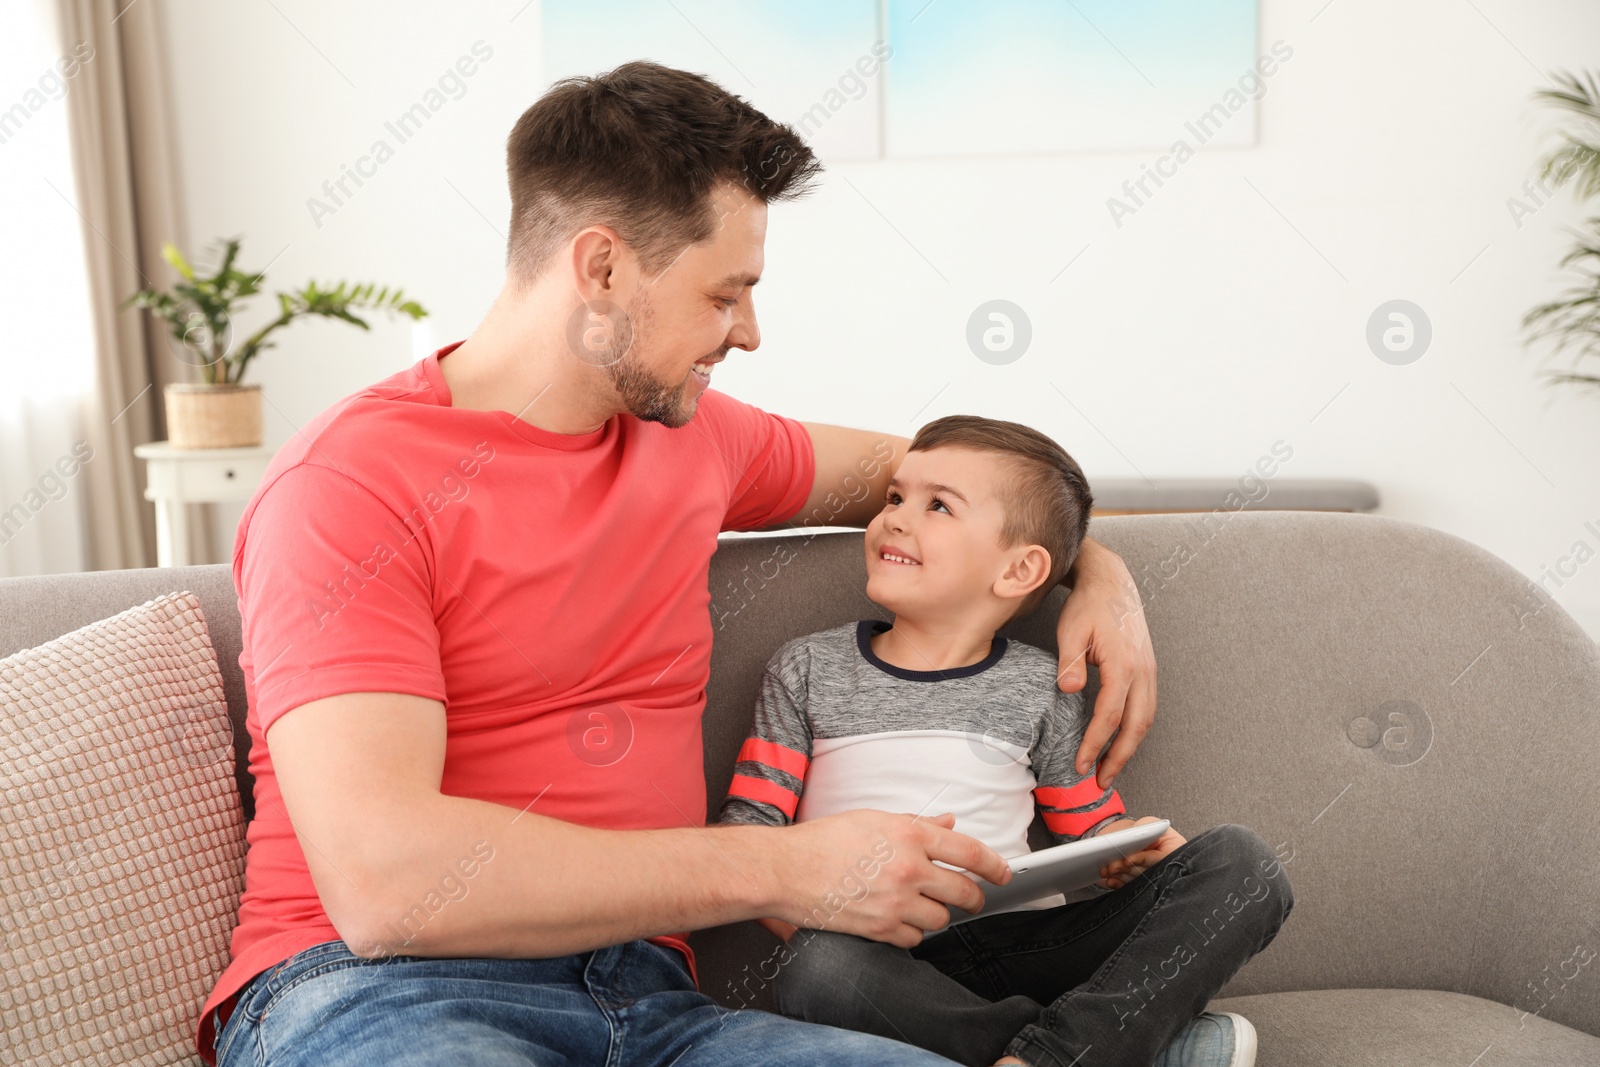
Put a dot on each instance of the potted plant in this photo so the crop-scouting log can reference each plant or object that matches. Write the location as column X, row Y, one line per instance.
column 1572, row 321
column 221, row 411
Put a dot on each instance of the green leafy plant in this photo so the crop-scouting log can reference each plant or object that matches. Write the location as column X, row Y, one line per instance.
column 1571, row 322
column 199, row 310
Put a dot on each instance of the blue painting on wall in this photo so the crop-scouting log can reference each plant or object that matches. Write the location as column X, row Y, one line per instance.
column 1010, row 76
column 875, row 79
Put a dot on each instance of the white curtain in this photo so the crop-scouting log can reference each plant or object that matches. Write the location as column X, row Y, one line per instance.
column 88, row 171
column 46, row 355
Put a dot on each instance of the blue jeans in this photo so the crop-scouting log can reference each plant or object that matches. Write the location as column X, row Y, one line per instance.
column 1105, row 982
column 630, row 1004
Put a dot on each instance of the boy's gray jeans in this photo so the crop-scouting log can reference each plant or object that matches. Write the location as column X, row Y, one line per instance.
column 1104, row 981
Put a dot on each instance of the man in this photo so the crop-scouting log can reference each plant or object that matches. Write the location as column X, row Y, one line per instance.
column 452, row 579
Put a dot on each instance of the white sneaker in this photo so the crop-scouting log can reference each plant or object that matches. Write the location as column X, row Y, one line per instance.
column 1212, row 1039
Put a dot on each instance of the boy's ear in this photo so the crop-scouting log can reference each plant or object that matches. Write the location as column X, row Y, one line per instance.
column 1027, row 570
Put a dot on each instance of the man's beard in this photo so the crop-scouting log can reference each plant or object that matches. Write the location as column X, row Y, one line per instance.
column 646, row 397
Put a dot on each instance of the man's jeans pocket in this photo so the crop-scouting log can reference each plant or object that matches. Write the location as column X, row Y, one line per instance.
column 228, row 1033
column 256, row 997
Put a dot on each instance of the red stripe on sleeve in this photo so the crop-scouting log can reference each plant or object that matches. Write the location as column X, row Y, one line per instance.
column 778, row 757
column 759, row 789
column 1054, row 796
column 1073, row 824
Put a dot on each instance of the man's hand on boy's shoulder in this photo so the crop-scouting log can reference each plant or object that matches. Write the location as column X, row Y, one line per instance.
column 1120, row 872
column 1103, row 623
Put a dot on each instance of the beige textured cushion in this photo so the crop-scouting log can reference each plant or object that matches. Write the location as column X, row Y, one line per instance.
column 121, row 839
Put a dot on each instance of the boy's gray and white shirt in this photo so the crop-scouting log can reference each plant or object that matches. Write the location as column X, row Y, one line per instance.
column 837, row 728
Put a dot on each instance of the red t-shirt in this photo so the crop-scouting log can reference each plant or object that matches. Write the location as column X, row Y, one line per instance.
column 550, row 589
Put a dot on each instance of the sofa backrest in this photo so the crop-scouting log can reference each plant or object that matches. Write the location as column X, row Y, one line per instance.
column 1408, row 720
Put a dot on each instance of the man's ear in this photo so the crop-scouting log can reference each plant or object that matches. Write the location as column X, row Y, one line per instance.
column 1027, row 570
column 596, row 255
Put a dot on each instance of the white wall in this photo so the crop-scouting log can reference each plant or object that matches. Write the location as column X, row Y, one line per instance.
column 1222, row 317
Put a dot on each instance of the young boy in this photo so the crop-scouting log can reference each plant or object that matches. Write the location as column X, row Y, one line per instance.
column 934, row 713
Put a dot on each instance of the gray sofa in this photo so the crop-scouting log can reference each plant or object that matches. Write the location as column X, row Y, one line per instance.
column 1408, row 720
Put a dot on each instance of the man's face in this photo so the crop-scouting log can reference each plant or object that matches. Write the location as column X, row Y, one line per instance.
column 935, row 547
column 681, row 322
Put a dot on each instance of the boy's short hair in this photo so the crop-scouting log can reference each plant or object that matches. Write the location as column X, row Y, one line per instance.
column 640, row 148
column 1046, row 502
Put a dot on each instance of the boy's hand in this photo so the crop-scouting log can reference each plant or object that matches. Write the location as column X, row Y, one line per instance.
column 778, row 928
column 1120, row 872
column 871, row 873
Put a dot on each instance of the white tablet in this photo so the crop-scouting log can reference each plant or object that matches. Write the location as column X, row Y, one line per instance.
column 1061, row 869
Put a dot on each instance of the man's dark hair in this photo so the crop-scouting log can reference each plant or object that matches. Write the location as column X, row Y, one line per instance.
column 1046, row 498
column 640, row 149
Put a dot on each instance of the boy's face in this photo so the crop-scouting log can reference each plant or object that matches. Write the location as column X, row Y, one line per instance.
column 943, row 516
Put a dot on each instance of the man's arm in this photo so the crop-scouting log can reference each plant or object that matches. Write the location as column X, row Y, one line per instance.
column 360, row 776
column 853, row 472
column 1101, row 623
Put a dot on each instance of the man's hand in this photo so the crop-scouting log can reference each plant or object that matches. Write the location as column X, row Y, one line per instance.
column 1120, row 872
column 871, row 873
column 1103, row 623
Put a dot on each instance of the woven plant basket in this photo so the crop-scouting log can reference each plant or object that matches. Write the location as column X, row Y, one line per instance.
column 213, row 416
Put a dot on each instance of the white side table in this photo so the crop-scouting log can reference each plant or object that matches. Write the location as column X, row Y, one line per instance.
column 178, row 476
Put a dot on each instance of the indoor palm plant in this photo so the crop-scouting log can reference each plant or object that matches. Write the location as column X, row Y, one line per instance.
column 221, row 411
column 1571, row 322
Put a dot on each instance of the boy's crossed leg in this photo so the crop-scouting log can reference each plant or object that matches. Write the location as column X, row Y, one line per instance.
column 1110, row 980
